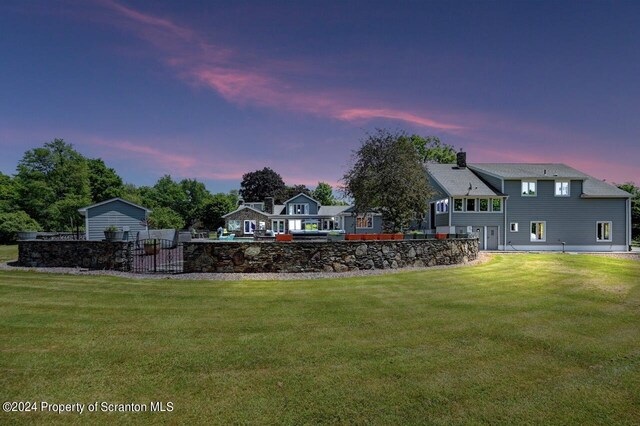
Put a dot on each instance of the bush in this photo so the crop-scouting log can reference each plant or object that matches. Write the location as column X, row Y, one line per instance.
column 12, row 223
column 165, row 218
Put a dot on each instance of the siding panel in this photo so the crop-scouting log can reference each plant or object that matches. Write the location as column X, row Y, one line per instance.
column 118, row 214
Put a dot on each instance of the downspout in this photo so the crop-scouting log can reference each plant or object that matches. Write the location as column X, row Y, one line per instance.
column 629, row 224
column 504, row 230
column 86, row 224
column 450, row 207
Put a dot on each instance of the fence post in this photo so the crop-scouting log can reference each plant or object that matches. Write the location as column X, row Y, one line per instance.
column 155, row 254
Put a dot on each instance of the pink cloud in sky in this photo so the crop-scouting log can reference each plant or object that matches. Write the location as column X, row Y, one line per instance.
column 199, row 61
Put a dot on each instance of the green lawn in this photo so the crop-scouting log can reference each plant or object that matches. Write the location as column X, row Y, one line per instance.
column 8, row 253
column 523, row 339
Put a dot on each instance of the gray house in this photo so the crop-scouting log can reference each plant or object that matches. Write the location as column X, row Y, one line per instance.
column 299, row 214
column 123, row 214
column 529, row 206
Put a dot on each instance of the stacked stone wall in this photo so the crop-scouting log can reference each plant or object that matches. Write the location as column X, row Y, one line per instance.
column 76, row 254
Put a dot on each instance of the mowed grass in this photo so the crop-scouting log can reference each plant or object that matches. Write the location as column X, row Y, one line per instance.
column 8, row 253
column 522, row 339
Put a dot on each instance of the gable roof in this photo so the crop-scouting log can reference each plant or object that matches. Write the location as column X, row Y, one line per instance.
column 529, row 170
column 304, row 195
column 461, row 182
column 83, row 210
column 591, row 187
column 243, row 207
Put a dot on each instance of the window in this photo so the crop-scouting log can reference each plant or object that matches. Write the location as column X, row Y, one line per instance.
column 330, row 224
column 603, row 231
column 262, row 226
column 471, row 204
column 233, row 225
column 249, row 226
column 364, row 221
column 562, row 188
column 295, row 224
column 299, row 208
column 513, row 226
column 496, row 204
column 528, row 188
column 484, row 204
column 457, row 204
column 538, row 231
column 278, row 226
column 442, row 206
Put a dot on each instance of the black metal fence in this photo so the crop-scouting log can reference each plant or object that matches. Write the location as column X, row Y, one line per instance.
column 157, row 256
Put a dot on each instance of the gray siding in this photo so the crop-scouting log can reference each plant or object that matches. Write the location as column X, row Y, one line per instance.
column 300, row 199
column 118, row 214
column 350, row 226
column 439, row 194
column 478, row 221
column 569, row 219
column 442, row 219
column 491, row 180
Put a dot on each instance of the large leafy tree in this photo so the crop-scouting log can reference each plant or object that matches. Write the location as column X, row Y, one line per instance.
column 103, row 181
column 7, row 194
column 634, row 190
column 165, row 218
column 324, row 194
column 52, row 183
column 257, row 185
column 431, row 150
column 197, row 198
column 219, row 205
column 387, row 175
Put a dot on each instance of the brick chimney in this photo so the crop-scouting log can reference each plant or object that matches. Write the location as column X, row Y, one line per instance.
column 461, row 159
column 268, row 205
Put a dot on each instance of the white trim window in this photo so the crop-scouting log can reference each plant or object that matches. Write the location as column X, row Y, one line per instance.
column 483, row 204
column 442, row 206
column 538, row 231
column 277, row 225
column 563, row 188
column 470, row 205
column 604, row 230
column 529, row 188
column 513, row 227
column 458, row 205
column 295, row 224
column 496, row 205
column 364, row 221
column 249, row 226
column 299, row 208
column 233, row 225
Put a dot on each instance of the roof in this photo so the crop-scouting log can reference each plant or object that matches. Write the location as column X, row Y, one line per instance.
column 591, row 187
column 304, row 195
column 331, row 210
column 529, row 170
column 595, row 188
column 458, row 181
column 84, row 209
column 244, row 206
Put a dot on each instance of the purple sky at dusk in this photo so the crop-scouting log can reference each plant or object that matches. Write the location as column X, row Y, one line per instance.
column 211, row 90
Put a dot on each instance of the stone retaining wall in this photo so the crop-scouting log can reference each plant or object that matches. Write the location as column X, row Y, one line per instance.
column 71, row 254
column 338, row 256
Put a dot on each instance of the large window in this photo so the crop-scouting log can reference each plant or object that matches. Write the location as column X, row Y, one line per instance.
column 364, row 221
column 233, row 225
column 538, row 231
column 562, row 188
column 496, row 204
column 458, row 205
column 471, row 205
column 529, row 188
column 295, row 224
column 299, row 208
column 603, row 231
column 277, row 226
column 249, row 226
column 442, row 206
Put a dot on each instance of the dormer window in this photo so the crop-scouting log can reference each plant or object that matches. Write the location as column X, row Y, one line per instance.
column 562, row 188
column 529, row 188
column 299, row 208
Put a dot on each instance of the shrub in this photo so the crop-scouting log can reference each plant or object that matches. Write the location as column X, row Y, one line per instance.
column 12, row 223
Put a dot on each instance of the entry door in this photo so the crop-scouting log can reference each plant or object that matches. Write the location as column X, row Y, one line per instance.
column 432, row 215
column 278, row 226
column 492, row 238
column 480, row 231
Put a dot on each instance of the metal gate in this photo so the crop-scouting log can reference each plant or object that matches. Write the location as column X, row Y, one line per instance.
column 157, row 256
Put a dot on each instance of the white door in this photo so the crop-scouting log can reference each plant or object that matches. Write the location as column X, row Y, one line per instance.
column 278, row 226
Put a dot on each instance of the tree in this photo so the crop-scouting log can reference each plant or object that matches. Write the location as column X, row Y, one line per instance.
column 324, row 194
column 103, row 181
column 7, row 194
column 165, row 218
column 219, row 205
column 255, row 186
column 431, row 150
column 632, row 189
column 387, row 175
column 48, row 175
column 287, row 192
column 197, row 197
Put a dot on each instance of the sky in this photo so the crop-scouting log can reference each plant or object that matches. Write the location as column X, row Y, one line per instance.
column 214, row 89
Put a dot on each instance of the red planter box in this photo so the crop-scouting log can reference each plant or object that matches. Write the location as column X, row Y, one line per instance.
column 397, row 236
column 284, row 237
column 353, row 237
column 369, row 236
column 385, row 236
column 441, row 236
